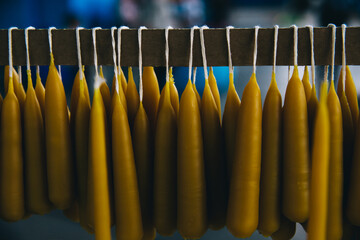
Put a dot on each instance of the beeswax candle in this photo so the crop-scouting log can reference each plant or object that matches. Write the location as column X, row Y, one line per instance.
column 99, row 166
column 243, row 209
column 191, row 189
column 320, row 170
column 12, row 206
column 132, row 99
column 18, row 87
column 36, row 186
column 165, row 165
column 151, row 95
column 231, row 110
column 296, row 152
column 269, row 207
column 215, row 167
column 127, row 203
column 334, row 218
column 351, row 95
column 143, row 152
column 306, row 83
column 215, row 90
column 60, row 166
column 40, row 94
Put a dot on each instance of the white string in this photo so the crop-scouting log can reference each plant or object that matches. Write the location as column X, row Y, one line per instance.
column 116, row 73
column 141, row 90
column 231, row 68
column 343, row 33
column 255, row 48
column 38, row 70
column 289, row 76
column 295, row 44
column 50, row 39
column 60, row 71
column 276, row 33
column 333, row 41
column 119, row 47
column 78, row 46
column 202, row 41
column 194, row 76
column 191, row 49
column 326, row 73
column 311, row 32
column 10, row 51
column 27, row 47
column 167, row 52
column 20, row 74
column 95, row 50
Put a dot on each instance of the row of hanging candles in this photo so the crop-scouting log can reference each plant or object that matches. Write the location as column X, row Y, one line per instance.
column 117, row 161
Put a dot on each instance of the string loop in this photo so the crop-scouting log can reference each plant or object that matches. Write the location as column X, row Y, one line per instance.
column 141, row 90
column 203, row 52
column 167, row 52
column 295, row 44
column 77, row 32
column 191, row 49
column 114, row 58
column 343, row 34
column 10, row 51
column 119, row 46
column 333, row 41
column 311, row 32
column 231, row 68
column 27, row 47
column 276, row 33
column 255, row 48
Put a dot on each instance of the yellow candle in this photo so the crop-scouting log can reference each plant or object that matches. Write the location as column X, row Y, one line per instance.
column 151, row 95
column 243, row 209
column 79, row 122
column 132, row 98
column 12, row 207
column 37, row 200
column 40, row 94
column 269, row 210
column 191, row 192
column 320, row 170
column 295, row 197
column 99, row 165
column 18, row 87
column 144, row 157
column 165, row 165
column 351, row 95
column 306, row 83
column 121, row 90
column 335, row 215
column 174, row 95
column 60, row 166
column 312, row 106
column 127, row 203
column 215, row 90
column 215, row 166
column 231, row 110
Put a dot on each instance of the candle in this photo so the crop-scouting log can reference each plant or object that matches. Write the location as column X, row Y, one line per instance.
column 121, row 90
column 60, row 166
column 18, row 87
column 312, row 106
column 151, row 95
column 79, row 122
column 295, row 197
column 12, row 207
column 36, row 186
column 335, row 215
column 191, row 189
column 269, row 207
column 320, row 170
column 306, row 83
column 40, row 94
column 165, row 165
column 351, row 95
column 127, row 203
column 132, row 99
column 144, row 157
column 231, row 110
column 243, row 209
column 215, row 90
column 215, row 166
column 174, row 95
column 99, row 166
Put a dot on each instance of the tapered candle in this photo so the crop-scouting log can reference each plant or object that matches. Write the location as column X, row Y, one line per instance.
column 132, row 99
column 306, row 83
column 215, row 90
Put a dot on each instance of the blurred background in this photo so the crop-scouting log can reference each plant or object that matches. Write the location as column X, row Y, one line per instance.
column 160, row 14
